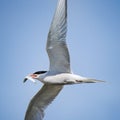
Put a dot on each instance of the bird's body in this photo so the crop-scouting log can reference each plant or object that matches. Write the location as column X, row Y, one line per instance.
column 63, row 79
column 59, row 73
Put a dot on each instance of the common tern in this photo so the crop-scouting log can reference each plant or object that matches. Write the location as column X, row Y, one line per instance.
column 59, row 73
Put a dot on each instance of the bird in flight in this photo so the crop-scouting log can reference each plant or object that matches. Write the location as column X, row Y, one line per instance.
column 59, row 73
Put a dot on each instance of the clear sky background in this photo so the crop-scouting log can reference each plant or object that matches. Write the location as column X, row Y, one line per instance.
column 93, row 39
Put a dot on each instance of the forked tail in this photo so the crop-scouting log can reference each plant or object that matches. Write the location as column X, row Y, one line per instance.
column 88, row 80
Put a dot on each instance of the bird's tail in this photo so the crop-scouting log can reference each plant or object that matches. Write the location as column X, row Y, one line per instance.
column 88, row 80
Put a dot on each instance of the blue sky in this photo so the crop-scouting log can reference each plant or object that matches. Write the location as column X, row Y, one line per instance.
column 94, row 44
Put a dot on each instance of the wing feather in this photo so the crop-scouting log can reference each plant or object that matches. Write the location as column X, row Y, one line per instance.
column 41, row 100
column 56, row 44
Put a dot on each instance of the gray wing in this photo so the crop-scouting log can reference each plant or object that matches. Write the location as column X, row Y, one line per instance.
column 41, row 100
column 56, row 44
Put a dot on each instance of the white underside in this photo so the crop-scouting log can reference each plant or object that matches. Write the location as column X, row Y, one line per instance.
column 65, row 78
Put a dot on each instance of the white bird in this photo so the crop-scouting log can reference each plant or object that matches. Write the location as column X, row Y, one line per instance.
column 59, row 73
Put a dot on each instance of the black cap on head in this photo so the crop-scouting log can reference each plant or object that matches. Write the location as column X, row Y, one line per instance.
column 39, row 72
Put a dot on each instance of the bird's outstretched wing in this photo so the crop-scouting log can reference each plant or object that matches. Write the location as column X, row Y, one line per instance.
column 41, row 100
column 56, row 44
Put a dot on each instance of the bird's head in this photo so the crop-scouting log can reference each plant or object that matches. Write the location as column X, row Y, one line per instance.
column 34, row 76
